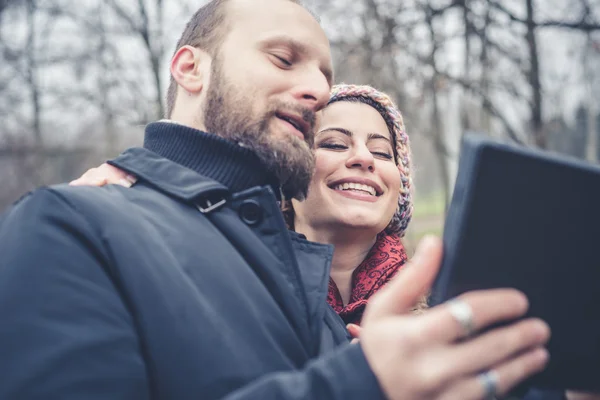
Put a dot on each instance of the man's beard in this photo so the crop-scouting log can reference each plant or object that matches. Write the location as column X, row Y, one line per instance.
column 228, row 113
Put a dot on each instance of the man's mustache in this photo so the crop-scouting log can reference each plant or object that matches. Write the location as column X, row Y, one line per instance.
column 308, row 116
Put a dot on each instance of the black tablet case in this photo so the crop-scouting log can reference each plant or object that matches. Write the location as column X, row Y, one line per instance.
column 530, row 220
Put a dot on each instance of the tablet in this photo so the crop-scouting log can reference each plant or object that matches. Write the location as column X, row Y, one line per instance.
column 530, row 220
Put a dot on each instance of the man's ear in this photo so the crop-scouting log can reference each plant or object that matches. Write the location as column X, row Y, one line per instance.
column 189, row 68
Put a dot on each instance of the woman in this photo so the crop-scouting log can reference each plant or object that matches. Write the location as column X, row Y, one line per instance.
column 360, row 198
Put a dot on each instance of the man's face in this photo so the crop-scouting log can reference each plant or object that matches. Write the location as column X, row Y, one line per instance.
column 269, row 77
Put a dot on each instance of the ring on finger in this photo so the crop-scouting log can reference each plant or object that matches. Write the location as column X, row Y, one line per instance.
column 463, row 314
column 489, row 381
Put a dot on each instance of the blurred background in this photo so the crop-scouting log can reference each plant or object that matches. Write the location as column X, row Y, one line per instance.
column 79, row 79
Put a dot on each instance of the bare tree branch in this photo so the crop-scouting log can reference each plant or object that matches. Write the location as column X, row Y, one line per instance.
column 4, row 4
column 123, row 14
column 488, row 104
column 581, row 25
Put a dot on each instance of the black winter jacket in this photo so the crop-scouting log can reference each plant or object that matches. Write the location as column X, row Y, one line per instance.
column 186, row 286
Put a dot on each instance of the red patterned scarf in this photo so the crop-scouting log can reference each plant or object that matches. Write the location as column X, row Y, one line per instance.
column 383, row 261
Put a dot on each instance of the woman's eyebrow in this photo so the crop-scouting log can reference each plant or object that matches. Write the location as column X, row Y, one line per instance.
column 341, row 130
column 372, row 136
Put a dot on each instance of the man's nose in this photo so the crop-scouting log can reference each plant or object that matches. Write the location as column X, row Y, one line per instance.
column 312, row 89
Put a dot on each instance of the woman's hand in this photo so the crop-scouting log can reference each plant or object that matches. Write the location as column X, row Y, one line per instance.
column 105, row 174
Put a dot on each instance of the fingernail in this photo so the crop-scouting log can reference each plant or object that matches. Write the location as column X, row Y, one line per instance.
column 124, row 182
column 131, row 178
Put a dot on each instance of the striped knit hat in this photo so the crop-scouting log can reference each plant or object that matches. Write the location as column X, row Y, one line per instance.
column 393, row 119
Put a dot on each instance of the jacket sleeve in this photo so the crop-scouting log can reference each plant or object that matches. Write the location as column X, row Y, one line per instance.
column 341, row 374
column 65, row 331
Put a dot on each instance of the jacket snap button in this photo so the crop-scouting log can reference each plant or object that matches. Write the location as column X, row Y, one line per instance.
column 251, row 212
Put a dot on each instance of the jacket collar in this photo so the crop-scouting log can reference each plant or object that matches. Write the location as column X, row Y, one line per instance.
column 314, row 261
column 167, row 176
column 187, row 163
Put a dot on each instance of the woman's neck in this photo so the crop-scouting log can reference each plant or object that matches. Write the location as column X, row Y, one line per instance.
column 351, row 248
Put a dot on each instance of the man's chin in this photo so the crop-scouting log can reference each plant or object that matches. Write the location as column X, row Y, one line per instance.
column 286, row 156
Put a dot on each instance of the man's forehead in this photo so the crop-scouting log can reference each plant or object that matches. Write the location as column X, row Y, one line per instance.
column 259, row 6
column 266, row 15
column 269, row 20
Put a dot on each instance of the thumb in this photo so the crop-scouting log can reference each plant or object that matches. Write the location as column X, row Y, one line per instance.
column 354, row 330
column 412, row 282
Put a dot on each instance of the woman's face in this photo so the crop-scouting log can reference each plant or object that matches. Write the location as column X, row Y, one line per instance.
column 356, row 180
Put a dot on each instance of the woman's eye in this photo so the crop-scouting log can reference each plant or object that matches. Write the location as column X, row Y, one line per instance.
column 333, row 146
column 383, row 155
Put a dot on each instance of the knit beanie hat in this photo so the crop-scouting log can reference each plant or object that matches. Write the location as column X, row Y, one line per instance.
column 395, row 123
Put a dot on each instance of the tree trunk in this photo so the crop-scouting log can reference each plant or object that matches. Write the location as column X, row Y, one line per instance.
column 465, row 119
column 439, row 146
column 436, row 131
column 31, row 73
column 485, row 120
column 539, row 137
column 111, row 147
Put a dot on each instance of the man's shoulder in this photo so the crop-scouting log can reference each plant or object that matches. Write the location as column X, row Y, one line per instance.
column 81, row 196
column 86, row 215
column 69, row 203
column 69, row 196
column 107, row 213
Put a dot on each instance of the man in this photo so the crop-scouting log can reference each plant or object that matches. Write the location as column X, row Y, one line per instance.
column 187, row 285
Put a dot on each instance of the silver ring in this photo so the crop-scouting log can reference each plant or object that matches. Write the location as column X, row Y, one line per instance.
column 463, row 314
column 489, row 381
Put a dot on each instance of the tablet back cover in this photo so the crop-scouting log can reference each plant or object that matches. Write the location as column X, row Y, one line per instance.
column 530, row 220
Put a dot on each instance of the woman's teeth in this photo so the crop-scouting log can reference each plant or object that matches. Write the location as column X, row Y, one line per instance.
column 356, row 186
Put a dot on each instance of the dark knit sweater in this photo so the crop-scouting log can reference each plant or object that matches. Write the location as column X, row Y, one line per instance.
column 228, row 163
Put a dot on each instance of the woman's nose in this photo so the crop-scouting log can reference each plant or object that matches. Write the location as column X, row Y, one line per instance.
column 361, row 157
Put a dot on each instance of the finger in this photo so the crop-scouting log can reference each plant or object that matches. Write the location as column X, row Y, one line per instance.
column 124, row 182
column 354, row 330
column 508, row 375
column 132, row 179
column 487, row 307
column 496, row 346
column 104, row 174
column 89, row 182
column 571, row 395
column 89, row 175
column 411, row 283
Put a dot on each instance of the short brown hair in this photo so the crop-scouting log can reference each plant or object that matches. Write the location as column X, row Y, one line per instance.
column 205, row 30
